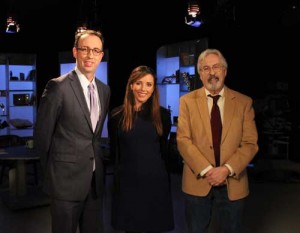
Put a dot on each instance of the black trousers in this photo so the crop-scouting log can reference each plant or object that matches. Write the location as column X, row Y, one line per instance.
column 87, row 215
column 141, row 232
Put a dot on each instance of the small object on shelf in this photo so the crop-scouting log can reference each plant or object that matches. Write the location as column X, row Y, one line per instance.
column 3, row 93
column 22, row 76
column 11, row 77
column 169, row 80
column 185, row 83
column 3, row 124
column 31, row 75
column 178, row 76
column 21, row 99
column 3, row 108
column 29, row 144
column 20, row 123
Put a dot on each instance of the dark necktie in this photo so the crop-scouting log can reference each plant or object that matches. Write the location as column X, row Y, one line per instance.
column 216, row 127
column 93, row 106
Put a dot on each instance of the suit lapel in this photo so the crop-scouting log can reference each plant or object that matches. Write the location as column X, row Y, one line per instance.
column 229, row 107
column 76, row 86
column 203, row 109
column 101, row 103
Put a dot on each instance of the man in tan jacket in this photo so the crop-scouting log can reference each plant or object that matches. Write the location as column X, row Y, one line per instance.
column 205, row 183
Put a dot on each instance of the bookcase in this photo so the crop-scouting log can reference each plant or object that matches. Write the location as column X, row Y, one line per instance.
column 17, row 94
column 177, row 71
column 177, row 75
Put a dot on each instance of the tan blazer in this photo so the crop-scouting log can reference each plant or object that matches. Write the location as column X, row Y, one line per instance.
column 194, row 141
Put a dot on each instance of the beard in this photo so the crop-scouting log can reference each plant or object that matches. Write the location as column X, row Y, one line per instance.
column 213, row 83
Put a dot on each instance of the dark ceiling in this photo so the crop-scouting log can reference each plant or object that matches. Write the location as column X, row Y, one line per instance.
column 57, row 19
column 258, row 37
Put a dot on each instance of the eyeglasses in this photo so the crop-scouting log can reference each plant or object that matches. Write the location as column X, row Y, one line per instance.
column 216, row 68
column 87, row 50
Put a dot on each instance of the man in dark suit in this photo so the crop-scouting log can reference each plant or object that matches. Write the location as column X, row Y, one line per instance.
column 68, row 143
column 209, row 180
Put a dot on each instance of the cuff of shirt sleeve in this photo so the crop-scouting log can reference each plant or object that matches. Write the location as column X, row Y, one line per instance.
column 203, row 172
column 230, row 169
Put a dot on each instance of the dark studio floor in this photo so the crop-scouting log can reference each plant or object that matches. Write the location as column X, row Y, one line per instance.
column 272, row 207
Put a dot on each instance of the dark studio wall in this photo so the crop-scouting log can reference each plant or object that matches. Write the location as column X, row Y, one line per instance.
column 259, row 39
column 251, row 35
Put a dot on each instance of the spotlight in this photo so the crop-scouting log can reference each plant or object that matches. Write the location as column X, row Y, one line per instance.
column 193, row 14
column 81, row 28
column 12, row 25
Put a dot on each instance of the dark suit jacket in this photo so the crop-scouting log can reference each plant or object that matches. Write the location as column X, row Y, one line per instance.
column 194, row 141
column 65, row 140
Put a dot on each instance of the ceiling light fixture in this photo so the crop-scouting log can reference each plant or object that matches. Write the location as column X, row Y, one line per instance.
column 11, row 25
column 192, row 17
column 81, row 28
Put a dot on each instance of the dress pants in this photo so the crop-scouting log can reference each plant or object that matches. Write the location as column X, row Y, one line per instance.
column 198, row 211
column 141, row 232
column 67, row 216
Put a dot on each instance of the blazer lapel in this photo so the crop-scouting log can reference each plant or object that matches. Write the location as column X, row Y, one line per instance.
column 203, row 109
column 229, row 106
column 102, row 106
column 76, row 86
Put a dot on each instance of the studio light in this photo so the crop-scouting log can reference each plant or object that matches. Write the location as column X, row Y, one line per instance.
column 192, row 17
column 81, row 28
column 11, row 25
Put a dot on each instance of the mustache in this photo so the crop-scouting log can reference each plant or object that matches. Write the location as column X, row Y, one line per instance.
column 211, row 77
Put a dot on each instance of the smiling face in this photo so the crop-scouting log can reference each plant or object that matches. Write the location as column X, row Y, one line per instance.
column 142, row 90
column 213, row 73
column 88, row 60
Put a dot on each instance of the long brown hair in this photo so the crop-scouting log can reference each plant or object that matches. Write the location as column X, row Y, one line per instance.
column 129, row 100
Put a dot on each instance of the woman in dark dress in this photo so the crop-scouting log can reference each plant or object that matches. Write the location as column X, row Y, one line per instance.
column 138, row 132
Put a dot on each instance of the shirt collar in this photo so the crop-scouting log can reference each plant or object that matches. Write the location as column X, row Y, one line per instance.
column 83, row 80
column 221, row 93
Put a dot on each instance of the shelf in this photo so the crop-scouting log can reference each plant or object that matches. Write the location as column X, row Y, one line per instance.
column 192, row 66
column 25, row 128
column 21, row 81
column 30, row 90
column 3, row 93
column 13, row 106
column 178, row 59
column 19, row 72
column 165, row 84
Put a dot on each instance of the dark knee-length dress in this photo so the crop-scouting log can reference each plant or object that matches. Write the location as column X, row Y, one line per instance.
column 142, row 199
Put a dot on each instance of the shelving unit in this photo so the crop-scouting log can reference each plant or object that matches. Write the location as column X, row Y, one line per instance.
column 17, row 94
column 178, row 63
